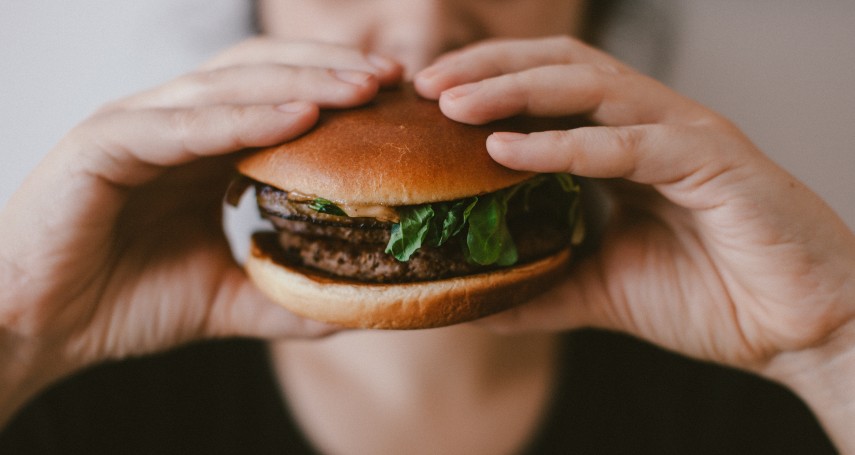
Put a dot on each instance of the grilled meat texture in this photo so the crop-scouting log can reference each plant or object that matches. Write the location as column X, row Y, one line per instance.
column 354, row 248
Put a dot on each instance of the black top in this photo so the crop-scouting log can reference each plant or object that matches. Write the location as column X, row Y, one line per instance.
column 619, row 396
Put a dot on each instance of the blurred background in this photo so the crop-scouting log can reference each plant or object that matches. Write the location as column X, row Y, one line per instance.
column 784, row 70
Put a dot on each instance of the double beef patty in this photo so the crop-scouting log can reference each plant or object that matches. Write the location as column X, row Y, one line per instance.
column 355, row 247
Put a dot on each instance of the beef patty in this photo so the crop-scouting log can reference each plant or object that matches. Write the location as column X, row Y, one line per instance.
column 355, row 247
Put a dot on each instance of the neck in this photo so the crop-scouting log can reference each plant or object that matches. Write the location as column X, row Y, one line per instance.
column 437, row 390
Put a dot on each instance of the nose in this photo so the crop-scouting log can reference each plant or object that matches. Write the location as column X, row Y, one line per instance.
column 417, row 31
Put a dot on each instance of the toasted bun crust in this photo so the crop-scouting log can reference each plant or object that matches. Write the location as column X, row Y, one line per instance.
column 399, row 306
column 398, row 150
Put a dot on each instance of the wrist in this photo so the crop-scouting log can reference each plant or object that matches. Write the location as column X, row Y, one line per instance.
column 30, row 359
column 24, row 372
column 823, row 377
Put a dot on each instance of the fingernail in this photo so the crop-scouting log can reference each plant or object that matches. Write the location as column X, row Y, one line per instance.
column 425, row 74
column 384, row 64
column 462, row 90
column 429, row 72
column 509, row 136
column 294, row 107
column 352, row 77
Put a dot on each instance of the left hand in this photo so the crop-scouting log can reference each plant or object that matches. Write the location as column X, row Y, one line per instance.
column 712, row 251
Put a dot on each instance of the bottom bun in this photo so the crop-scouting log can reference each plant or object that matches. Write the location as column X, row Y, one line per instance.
column 415, row 305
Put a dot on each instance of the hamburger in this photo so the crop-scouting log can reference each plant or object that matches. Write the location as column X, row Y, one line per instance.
column 392, row 216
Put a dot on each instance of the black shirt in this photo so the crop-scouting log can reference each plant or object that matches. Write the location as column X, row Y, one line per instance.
column 617, row 395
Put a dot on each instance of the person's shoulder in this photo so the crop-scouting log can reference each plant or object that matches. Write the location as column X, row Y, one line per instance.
column 199, row 395
column 656, row 401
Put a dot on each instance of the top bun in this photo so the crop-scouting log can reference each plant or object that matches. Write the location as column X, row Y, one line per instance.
column 397, row 150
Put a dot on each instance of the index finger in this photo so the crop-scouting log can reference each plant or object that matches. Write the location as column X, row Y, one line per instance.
column 607, row 97
column 497, row 57
column 308, row 54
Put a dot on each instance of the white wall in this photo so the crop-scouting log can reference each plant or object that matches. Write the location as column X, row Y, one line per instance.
column 60, row 60
column 783, row 69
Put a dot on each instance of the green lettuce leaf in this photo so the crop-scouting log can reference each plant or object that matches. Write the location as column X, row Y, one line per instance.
column 481, row 222
column 428, row 225
column 326, row 206
column 483, row 219
column 488, row 240
column 410, row 233
column 454, row 219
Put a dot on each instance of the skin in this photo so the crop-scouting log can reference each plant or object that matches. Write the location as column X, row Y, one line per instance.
column 712, row 250
column 108, row 247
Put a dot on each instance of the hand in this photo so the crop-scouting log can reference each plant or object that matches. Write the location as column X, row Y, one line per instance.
column 712, row 250
column 114, row 247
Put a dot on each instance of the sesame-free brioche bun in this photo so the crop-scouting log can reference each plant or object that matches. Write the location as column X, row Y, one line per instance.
column 417, row 305
column 398, row 150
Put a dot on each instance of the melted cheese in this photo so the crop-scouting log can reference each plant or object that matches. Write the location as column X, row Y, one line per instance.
column 380, row 212
column 377, row 211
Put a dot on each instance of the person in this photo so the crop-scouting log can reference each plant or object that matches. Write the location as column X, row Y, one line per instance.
column 711, row 251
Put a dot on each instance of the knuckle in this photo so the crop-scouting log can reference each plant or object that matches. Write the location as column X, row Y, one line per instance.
column 627, row 140
column 215, row 84
column 235, row 52
column 565, row 43
column 213, row 79
column 568, row 140
column 185, row 123
column 608, row 69
column 197, row 80
column 517, row 84
column 487, row 43
column 710, row 121
column 197, row 128
column 238, row 116
column 183, row 120
column 91, row 130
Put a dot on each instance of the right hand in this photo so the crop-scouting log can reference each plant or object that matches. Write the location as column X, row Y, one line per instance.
column 113, row 246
